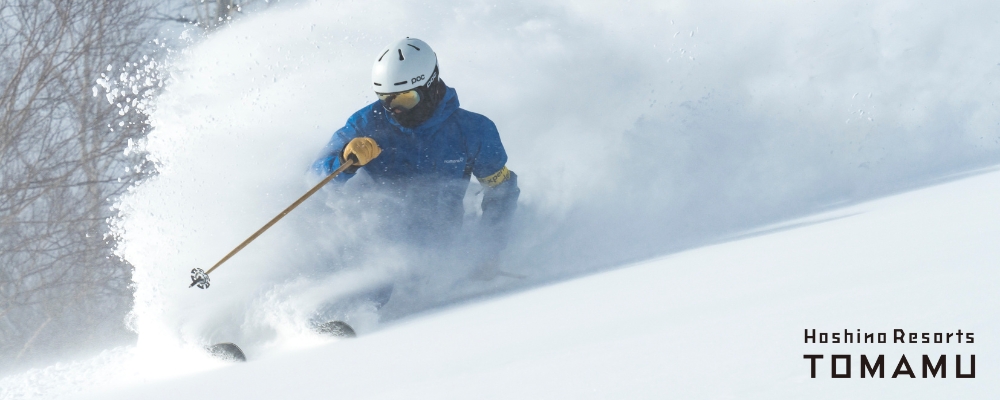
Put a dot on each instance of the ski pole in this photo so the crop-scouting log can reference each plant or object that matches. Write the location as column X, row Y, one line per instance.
column 199, row 277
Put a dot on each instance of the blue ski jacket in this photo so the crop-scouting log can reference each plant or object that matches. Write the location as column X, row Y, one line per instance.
column 428, row 167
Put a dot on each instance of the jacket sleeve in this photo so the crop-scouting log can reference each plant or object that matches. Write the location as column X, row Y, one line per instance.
column 500, row 191
column 329, row 159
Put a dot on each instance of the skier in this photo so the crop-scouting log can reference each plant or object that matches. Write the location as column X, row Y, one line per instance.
column 421, row 149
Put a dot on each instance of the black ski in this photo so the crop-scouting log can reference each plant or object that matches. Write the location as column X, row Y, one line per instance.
column 231, row 352
column 227, row 351
column 337, row 328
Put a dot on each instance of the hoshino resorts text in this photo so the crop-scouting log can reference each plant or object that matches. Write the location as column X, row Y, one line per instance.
column 871, row 366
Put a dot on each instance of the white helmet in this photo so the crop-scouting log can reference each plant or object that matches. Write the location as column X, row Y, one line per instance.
column 404, row 65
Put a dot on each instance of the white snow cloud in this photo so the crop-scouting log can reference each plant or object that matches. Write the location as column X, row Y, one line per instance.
column 636, row 129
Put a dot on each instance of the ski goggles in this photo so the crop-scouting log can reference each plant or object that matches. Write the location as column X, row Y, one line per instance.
column 401, row 100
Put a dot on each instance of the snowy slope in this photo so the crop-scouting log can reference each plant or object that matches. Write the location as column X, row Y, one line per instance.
column 723, row 321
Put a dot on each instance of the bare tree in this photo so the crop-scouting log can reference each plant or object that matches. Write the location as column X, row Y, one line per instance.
column 61, row 163
column 210, row 14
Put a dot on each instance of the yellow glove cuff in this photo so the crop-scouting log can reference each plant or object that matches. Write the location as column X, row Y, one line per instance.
column 497, row 178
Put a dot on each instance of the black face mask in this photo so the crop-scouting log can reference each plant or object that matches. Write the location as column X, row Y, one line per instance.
column 430, row 97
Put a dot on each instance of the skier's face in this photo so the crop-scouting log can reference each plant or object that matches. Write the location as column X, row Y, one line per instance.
column 399, row 102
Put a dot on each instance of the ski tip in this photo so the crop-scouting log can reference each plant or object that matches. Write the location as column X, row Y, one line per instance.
column 337, row 328
column 227, row 351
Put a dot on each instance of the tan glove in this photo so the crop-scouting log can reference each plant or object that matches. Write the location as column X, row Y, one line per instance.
column 362, row 150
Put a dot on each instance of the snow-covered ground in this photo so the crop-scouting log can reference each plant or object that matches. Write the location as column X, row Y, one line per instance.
column 722, row 321
column 638, row 130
